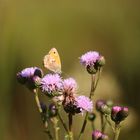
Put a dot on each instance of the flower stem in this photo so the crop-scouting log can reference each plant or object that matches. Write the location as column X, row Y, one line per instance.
column 56, row 128
column 47, row 131
column 93, row 86
column 92, row 125
column 49, row 134
column 94, row 83
column 104, row 126
column 83, row 126
column 70, row 126
column 37, row 101
column 117, row 132
column 63, row 123
column 66, row 137
column 109, row 123
column 102, row 122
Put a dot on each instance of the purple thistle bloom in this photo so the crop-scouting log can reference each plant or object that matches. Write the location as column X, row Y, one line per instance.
column 30, row 76
column 28, row 72
column 32, row 71
column 72, row 103
column 116, row 109
column 84, row 103
column 97, row 135
column 118, row 113
column 89, row 58
column 51, row 84
column 104, row 137
column 92, row 60
column 69, row 86
column 69, row 93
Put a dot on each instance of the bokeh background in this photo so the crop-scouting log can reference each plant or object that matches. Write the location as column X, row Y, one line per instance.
column 28, row 29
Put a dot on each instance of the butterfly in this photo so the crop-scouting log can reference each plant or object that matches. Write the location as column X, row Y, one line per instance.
column 52, row 61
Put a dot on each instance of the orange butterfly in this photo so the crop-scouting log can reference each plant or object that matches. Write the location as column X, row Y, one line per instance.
column 52, row 61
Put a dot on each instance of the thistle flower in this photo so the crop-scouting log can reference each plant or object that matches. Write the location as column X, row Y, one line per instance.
column 73, row 103
column 84, row 103
column 89, row 58
column 69, row 93
column 51, row 85
column 118, row 113
column 92, row 60
column 30, row 77
column 97, row 135
column 69, row 86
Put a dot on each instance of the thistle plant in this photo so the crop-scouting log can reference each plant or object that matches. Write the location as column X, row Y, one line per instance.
column 64, row 97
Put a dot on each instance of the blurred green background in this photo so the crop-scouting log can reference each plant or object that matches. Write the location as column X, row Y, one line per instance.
column 28, row 29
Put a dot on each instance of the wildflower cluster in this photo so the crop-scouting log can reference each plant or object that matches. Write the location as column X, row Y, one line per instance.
column 64, row 97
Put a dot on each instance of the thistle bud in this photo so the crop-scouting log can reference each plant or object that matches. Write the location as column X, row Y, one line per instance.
column 91, row 116
column 97, row 135
column 44, row 112
column 105, row 109
column 30, row 77
column 37, row 80
column 124, row 112
column 43, row 107
column 104, row 137
column 118, row 114
column 99, row 104
column 101, row 61
column 38, row 72
column 21, row 79
column 109, row 103
column 52, row 110
column 91, row 69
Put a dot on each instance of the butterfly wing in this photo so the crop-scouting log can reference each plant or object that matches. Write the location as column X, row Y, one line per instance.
column 52, row 61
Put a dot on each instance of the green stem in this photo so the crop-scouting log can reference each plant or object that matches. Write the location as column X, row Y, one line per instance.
column 83, row 126
column 63, row 123
column 70, row 126
column 56, row 128
column 66, row 137
column 47, row 131
column 104, row 126
column 102, row 122
column 49, row 134
column 117, row 132
column 37, row 100
column 92, row 125
column 109, row 123
column 94, row 84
